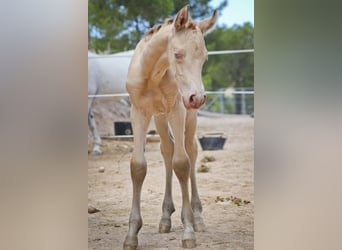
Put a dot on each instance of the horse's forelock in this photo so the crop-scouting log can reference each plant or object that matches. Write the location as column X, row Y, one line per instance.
column 190, row 25
column 168, row 21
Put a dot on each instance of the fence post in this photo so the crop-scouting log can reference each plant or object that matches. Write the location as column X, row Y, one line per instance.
column 221, row 103
column 243, row 102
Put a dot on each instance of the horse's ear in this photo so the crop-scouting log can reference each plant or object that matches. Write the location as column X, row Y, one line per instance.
column 208, row 23
column 181, row 18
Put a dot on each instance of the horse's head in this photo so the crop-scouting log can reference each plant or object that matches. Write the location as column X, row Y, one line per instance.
column 187, row 54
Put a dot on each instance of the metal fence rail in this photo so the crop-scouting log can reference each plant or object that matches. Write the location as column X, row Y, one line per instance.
column 221, row 95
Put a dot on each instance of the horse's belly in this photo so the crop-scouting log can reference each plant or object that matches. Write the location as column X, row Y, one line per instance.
column 112, row 78
column 111, row 87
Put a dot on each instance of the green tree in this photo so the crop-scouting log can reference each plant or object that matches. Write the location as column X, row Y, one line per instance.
column 102, row 27
column 117, row 25
column 230, row 70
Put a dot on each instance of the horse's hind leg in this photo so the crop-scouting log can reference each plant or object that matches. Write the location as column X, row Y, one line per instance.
column 97, row 138
column 140, row 123
column 166, row 148
column 191, row 149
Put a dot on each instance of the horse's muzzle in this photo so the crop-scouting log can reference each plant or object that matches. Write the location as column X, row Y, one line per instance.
column 194, row 101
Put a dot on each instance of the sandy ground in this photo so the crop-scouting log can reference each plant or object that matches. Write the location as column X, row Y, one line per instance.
column 227, row 191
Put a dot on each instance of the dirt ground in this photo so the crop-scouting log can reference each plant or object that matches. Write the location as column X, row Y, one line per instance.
column 226, row 191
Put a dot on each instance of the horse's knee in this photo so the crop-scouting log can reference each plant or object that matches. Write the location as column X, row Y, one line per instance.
column 181, row 166
column 90, row 116
column 138, row 170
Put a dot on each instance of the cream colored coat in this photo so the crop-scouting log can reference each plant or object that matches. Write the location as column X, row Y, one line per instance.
column 164, row 81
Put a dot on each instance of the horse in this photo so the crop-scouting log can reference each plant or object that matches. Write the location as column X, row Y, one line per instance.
column 164, row 81
column 106, row 75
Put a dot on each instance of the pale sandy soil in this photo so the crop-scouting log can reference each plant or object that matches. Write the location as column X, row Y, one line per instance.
column 229, row 226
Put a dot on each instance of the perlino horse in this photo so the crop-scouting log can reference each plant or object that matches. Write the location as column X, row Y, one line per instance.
column 164, row 81
column 106, row 75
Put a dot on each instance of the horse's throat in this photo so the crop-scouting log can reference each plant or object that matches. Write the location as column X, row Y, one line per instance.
column 154, row 56
column 159, row 68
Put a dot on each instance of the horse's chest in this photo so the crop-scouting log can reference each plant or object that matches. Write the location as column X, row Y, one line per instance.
column 154, row 102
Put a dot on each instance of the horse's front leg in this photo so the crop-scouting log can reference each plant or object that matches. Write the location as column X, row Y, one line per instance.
column 166, row 148
column 191, row 149
column 140, row 123
column 181, row 166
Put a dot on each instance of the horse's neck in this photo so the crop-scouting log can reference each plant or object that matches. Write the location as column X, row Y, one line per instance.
column 155, row 57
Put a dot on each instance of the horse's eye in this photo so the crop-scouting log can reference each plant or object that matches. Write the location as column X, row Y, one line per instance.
column 179, row 56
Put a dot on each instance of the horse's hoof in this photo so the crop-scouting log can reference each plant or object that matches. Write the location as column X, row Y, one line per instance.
column 163, row 228
column 130, row 243
column 127, row 247
column 165, row 225
column 189, row 240
column 96, row 152
column 189, row 243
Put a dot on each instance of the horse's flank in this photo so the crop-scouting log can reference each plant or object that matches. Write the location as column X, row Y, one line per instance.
column 106, row 75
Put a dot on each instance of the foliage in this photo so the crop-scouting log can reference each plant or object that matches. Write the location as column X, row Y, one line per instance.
column 117, row 25
column 230, row 70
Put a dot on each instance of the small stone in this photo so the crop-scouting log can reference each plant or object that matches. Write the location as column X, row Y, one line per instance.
column 92, row 210
column 101, row 169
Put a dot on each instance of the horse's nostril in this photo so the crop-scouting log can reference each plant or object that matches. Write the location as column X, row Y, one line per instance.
column 197, row 100
column 204, row 99
column 192, row 98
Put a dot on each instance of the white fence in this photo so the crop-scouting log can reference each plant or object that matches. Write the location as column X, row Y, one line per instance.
column 218, row 52
column 222, row 95
column 236, row 97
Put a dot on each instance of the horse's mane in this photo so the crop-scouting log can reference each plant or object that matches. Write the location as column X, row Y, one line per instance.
column 168, row 21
